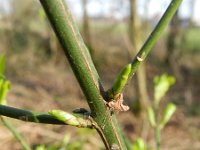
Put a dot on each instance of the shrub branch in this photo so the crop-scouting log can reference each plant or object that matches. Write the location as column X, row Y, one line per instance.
column 84, row 70
column 41, row 117
column 86, row 74
column 154, row 36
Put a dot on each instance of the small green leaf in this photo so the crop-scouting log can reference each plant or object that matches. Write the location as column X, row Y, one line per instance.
column 168, row 112
column 151, row 116
column 2, row 63
column 4, row 84
column 139, row 144
column 4, row 88
column 120, row 81
column 65, row 117
column 161, row 86
column 41, row 147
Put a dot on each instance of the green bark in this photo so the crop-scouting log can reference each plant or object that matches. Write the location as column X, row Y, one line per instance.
column 28, row 116
column 84, row 70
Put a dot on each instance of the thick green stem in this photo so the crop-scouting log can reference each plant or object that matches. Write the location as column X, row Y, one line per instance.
column 83, row 67
column 16, row 134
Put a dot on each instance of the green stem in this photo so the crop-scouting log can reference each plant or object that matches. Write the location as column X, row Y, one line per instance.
column 46, row 118
column 83, row 67
column 127, row 141
column 157, row 137
column 154, row 36
column 157, row 129
column 28, row 116
column 16, row 134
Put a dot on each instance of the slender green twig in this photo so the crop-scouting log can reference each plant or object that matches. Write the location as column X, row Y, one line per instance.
column 15, row 133
column 28, row 116
column 154, row 36
column 157, row 137
column 47, row 118
column 157, row 126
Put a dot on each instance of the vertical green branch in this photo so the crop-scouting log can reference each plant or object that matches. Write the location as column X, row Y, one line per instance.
column 84, row 70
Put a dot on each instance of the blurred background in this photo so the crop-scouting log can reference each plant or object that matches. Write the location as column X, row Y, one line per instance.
column 113, row 30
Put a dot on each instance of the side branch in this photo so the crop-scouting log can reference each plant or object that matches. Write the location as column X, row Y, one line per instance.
column 147, row 47
column 29, row 116
column 155, row 35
